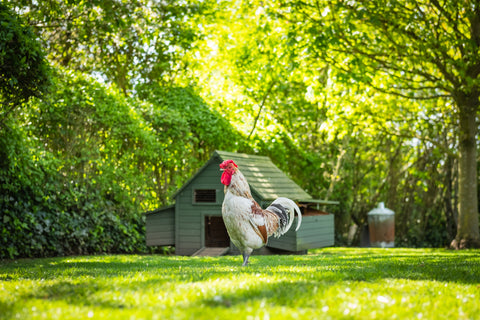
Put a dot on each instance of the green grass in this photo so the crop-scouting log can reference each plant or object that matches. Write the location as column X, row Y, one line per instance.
column 332, row 283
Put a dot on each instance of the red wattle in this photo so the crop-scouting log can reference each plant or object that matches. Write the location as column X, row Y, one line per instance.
column 226, row 178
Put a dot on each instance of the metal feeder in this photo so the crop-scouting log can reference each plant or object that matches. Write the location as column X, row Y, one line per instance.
column 381, row 225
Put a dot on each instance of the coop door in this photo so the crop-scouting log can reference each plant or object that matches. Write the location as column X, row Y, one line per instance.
column 215, row 232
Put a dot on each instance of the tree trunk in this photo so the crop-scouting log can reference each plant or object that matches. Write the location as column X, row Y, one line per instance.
column 450, row 201
column 467, row 228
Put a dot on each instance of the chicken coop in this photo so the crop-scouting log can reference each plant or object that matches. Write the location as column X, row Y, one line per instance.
column 194, row 224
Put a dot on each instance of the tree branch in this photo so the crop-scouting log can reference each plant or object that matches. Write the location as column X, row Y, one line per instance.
column 265, row 96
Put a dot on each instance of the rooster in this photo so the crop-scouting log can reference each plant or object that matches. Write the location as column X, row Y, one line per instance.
column 248, row 225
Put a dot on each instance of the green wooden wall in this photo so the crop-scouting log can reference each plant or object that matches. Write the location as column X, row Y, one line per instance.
column 160, row 227
column 315, row 232
column 190, row 216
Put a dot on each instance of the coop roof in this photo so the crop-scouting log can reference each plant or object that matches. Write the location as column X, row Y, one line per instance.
column 265, row 178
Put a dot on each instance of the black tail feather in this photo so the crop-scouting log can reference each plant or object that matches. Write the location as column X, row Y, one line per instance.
column 281, row 212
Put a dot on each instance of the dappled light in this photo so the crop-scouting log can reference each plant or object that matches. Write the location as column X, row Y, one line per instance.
column 108, row 108
column 331, row 282
column 355, row 101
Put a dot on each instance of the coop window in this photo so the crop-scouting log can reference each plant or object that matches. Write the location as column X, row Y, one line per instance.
column 205, row 196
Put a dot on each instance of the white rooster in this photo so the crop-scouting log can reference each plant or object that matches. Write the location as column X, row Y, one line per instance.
column 248, row 225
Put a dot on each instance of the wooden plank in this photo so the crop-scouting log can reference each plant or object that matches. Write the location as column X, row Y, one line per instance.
column 160, row 228
column 161, row 235
column 159, row 231
column 316, row 227
column 160, row 240
column 161, row 217
column 189, row 223
column 315, row 232
column 310, row 242
column 284, row 245
column 170, row 222
column 211, row 251
column 156, row 242
column 300, row 245
column 280, row 242
column 316, row 244
column 189, row 239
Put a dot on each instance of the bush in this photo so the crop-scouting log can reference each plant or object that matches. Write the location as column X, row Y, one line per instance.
column 78, row 170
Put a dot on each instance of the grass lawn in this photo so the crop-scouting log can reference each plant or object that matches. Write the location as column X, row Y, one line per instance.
column 331, row 283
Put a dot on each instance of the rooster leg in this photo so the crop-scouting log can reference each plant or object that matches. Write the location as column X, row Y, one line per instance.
column 245, row 259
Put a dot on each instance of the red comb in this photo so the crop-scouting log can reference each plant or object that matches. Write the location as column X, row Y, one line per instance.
column 225, row 163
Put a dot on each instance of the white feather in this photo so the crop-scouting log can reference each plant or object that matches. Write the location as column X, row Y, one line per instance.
column 292, row 208
column 238, row 221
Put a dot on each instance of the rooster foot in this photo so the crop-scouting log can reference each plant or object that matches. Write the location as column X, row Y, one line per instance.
column 245, row 259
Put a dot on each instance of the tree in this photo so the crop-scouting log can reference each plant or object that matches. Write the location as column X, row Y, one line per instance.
column 429, row 49
column 122, row 42
column 294, row 77
column 257, row 66
column 24, row 72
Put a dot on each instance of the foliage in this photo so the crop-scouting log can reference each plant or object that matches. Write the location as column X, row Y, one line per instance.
column 416, row 50
column 329, row 284
column 188, row 132
column 102, row 140
column 144, row 91
column 60, row 217
column 360, row 144
column 124, row 42
column 24, row 72
column 102, row 160
column 209, row 130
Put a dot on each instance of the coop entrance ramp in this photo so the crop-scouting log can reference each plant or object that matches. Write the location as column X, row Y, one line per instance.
column 211, row 252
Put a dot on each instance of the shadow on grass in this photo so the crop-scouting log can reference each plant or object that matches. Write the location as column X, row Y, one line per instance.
column 328, row 265
column 88, row 266
column 6, row 310
column 436, row 265
column 85, row 280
